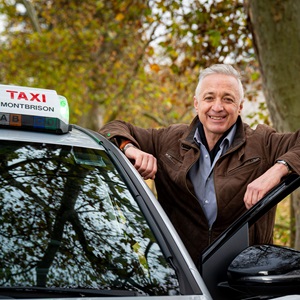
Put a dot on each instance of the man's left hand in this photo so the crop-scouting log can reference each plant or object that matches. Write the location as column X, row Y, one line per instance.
column 263, row 184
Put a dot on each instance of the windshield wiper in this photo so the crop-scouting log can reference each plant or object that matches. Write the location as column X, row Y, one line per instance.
column 19, row 292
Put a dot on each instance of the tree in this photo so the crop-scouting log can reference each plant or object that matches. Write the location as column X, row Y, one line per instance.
column 275, row 29
column 197, row 34
column 121, row 59
column 83, row 49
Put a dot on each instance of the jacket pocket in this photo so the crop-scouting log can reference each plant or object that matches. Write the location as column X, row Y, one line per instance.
column 171, row 160
column 245, row 166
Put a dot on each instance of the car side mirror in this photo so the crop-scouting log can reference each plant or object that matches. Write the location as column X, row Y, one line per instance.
column 266, row 270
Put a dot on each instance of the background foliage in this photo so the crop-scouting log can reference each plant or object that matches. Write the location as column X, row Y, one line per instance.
column 131, row 59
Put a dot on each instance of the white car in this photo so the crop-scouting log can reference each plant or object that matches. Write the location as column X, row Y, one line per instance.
column 77, row 221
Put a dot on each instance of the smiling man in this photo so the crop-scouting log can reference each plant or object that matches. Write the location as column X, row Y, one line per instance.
column 210, row 172
column 218, row 101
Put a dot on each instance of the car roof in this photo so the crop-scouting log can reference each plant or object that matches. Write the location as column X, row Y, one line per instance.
column 74, row 137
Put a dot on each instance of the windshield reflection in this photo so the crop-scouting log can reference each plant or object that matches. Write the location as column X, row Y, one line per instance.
column 68, row 220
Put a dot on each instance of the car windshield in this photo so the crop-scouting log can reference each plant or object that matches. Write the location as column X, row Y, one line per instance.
column 68, row 220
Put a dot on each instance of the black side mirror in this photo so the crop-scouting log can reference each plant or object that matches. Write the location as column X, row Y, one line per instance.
column 266, row 270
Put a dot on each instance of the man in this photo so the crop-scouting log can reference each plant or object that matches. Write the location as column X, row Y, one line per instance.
column 209, row 172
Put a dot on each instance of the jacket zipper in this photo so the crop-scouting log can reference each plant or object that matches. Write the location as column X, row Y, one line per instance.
column 171, row 158
column 210, row 228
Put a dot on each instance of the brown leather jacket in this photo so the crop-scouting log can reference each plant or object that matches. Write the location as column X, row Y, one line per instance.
column 250, row 155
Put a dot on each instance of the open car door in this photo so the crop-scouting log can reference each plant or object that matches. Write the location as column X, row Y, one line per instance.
column 234, row 270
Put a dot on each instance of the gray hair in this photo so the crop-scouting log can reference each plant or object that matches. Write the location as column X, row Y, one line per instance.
column 221, row 69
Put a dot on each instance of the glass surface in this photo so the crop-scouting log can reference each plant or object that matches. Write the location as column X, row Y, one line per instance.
column 68, row 220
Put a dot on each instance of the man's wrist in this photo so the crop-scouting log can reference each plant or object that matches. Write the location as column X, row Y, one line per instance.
column 128, row 145
column 123, row 144
column 283, row 162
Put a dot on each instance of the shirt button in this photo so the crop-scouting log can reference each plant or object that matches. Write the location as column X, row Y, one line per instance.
column 206, row 156
column 206, row 201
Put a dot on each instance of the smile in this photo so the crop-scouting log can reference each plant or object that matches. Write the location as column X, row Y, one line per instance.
column 216, row 118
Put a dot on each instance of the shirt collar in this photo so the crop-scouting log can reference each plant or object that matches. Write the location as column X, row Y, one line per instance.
column 224, row 142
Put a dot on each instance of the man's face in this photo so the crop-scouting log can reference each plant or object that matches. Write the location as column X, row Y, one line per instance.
column 218, row 104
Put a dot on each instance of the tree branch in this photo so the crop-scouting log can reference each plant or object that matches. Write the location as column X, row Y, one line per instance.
column 32, row 15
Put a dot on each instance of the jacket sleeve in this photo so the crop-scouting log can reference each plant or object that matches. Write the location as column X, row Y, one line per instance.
column 144, row 139
column 285, row 146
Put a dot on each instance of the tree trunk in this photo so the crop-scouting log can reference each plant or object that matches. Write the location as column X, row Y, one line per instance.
column 275, row 27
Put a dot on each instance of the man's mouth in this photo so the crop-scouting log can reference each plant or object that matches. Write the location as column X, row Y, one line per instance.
column 216, row 118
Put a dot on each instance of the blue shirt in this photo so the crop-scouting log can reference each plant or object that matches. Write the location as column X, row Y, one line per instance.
column 201, row 175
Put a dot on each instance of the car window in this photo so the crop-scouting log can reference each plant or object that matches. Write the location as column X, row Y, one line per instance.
column 67, row 219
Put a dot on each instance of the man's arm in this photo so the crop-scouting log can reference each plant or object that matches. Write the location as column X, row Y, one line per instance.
column 145, row 163
column 131, row 139
column 258, row 188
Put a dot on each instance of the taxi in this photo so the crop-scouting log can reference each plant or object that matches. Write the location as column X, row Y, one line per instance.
column 77, row 220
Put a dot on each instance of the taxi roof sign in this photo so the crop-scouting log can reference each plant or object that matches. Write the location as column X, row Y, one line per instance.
column 33, row 109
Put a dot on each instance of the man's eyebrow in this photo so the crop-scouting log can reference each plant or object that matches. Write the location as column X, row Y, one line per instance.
column 209, row 93
column 223, row 95
column 229, row 94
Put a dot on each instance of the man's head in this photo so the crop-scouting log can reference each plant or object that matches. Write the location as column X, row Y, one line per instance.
column 218, row 99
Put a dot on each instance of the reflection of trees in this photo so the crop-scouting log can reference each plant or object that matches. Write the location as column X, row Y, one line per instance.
column 65, row 213
column 67, row 224
column 272, row 259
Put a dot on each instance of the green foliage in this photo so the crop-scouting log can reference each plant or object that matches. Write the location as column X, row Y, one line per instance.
column 84, row 50
column 260, row 116
column 131, row 59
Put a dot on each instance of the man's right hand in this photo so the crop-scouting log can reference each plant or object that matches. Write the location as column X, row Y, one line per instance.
column 145, row 163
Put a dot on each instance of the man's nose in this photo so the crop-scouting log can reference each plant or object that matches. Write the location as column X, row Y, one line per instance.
column 218, row 105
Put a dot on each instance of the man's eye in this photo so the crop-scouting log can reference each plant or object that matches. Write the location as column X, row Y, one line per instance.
column 229, row 100
column 208, row 98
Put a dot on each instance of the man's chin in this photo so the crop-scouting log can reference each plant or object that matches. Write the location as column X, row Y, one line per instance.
column 219, row 130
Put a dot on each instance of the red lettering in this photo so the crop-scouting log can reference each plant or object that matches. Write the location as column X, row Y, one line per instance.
column 22, row 95
column 35, row 97
column 12, row 94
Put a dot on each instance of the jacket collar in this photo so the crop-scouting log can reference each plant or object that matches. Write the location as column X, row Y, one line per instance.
column 187, row 139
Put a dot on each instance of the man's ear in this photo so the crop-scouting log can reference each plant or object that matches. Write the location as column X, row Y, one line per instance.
column 196, row 103
column 241, row 106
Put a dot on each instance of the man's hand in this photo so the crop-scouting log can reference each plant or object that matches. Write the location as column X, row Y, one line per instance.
column 145, row 163
column 263, row 184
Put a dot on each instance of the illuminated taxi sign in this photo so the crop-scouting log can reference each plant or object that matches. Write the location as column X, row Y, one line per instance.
column 33, row 109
